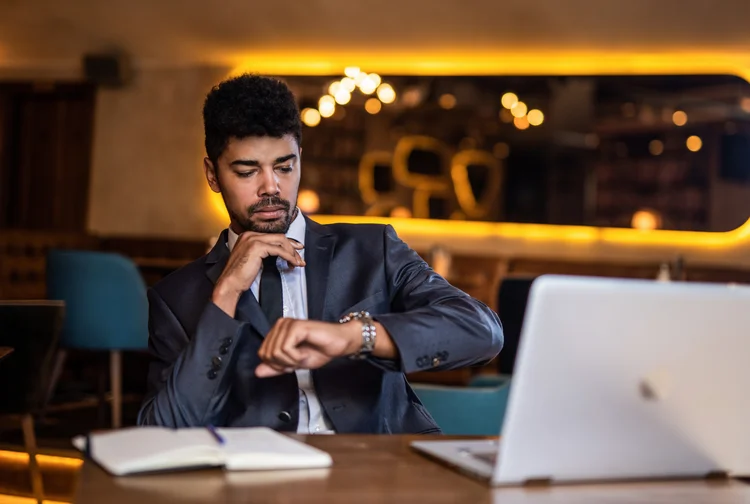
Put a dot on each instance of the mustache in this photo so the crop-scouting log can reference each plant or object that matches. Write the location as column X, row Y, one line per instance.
column 272, row 201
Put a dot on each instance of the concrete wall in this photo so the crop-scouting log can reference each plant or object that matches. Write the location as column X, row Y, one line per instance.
column 147, row 172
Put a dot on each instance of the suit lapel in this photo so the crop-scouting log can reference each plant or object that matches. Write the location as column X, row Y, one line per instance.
column 248, row 309
column 217, row 258
column 319, row 247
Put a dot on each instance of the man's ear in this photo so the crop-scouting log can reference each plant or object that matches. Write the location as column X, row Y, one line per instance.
column 211, row 175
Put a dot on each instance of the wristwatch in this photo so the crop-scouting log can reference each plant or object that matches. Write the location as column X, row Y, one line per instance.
column 368, row 333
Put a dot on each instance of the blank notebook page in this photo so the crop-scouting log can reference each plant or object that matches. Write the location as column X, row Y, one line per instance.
column 154, row 448
column 265, row 449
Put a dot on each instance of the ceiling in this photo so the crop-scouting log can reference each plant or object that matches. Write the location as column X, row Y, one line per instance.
column 324, row 33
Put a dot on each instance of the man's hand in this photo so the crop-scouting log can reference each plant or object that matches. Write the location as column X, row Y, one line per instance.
column 245, row 262
column 306, row 344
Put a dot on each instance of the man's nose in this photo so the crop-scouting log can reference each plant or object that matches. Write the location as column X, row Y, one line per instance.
column 270, row 185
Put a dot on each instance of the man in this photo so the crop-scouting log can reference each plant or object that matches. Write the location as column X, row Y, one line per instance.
column 290, row 324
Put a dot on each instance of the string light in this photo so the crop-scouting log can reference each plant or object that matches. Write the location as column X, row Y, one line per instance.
column 373, row 106
column 368, row 85
column 340, row 92
column 327, row 106
column 646, row 220
column 521, row 123
column 679, row 118
column 348, row 84
column 694, row 143
column 401, row 212
column 535, row 117
column 361, row 76
column 447, row 101
column 375, row 78
column 351, row 71
column 334, row 88
column 386, row 93
column 508, row 100
column 308, row 201
column 411, row 97
column 311, row 117
column 656, row 147
column 343, row 96
column 519, row 109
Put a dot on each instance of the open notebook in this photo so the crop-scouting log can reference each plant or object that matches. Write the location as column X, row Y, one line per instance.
column 148, row 449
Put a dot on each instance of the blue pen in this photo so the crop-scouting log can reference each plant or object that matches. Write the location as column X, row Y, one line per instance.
column 212, row 430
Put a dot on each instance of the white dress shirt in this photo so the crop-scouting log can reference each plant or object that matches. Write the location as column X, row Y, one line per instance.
column 312, row 418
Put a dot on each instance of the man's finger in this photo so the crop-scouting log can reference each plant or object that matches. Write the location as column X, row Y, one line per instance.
column 277, row 355
column 287, row 253
column 266, row 348
column 265, row 371
column 297, row 245
column 266, row 237
column 290, row 341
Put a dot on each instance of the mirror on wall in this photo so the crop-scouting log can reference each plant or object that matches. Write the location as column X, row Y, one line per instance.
column 667, row 152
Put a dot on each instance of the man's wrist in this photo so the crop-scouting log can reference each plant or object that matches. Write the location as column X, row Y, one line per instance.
column 223, row 291
column 367, row 334
column 226, row 298
column 353, row 330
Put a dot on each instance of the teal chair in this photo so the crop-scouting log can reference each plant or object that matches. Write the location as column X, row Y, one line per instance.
column 474, row 410
column 490, row 380
column 106, row 309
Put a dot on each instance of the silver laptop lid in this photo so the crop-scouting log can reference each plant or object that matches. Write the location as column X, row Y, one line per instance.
column 620, row 379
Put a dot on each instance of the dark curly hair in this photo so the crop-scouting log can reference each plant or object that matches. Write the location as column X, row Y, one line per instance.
column 249, row 105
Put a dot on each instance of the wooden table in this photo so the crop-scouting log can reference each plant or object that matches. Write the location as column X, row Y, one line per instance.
column 382, row 469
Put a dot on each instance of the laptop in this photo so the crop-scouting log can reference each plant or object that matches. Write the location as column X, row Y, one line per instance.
column 620, row 379
column 29, row 331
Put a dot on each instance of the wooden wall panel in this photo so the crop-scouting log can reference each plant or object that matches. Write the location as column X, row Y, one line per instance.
column 46, row 155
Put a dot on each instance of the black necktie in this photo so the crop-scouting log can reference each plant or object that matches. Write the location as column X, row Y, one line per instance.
column 283, row 391
column 271, row 296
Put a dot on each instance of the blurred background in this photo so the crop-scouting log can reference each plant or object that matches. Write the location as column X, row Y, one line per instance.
column 503, row 140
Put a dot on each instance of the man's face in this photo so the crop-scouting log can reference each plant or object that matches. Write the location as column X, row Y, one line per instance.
column 258, row 178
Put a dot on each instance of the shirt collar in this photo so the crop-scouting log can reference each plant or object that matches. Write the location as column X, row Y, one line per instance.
column 296, row 231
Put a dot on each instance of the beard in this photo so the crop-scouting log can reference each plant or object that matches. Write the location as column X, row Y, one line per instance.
column 279, row 225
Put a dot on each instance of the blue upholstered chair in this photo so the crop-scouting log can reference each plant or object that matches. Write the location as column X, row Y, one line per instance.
column 473, row 410
column 105, row 309
column 490, row 380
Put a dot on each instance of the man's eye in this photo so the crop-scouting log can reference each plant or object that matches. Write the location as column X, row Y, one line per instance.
column 285, row 169
column 245, row 174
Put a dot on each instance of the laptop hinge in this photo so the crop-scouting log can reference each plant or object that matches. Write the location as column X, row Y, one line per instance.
column 537, row 482
column 717, row 475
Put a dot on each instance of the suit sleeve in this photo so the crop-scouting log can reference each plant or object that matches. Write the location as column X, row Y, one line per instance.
column 433, row 324
column 188, row 378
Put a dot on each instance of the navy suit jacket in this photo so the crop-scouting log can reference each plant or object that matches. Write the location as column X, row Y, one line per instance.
column 204, row 361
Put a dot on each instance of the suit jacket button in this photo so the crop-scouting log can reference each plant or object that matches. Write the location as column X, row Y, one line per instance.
column 216, row 362
column 227, row 341
column 285, row 417
column 212, row 373
column 223, row 350
column 435, row 361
